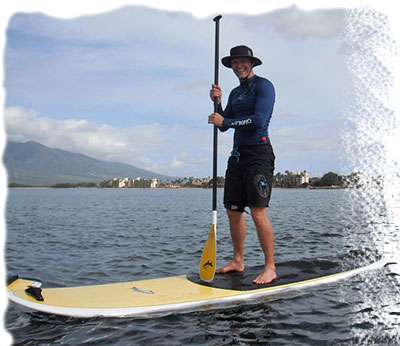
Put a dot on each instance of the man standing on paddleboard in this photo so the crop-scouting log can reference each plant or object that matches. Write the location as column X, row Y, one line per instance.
column 248, row 180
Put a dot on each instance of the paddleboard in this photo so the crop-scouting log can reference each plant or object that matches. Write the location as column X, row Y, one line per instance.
column 165, row 295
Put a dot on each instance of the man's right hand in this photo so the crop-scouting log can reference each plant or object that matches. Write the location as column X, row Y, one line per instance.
column 215, row 92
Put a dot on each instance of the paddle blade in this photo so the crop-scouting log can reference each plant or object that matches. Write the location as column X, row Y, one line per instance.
column 208, row 258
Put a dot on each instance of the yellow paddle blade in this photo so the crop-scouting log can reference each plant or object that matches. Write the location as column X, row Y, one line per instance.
column 208, row 258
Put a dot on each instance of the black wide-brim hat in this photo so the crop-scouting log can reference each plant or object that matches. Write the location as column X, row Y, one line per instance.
column 240, row 52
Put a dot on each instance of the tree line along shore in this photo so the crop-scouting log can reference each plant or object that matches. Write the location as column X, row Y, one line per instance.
column 280, row 180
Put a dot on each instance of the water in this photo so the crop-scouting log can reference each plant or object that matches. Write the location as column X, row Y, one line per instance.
column 84, row 236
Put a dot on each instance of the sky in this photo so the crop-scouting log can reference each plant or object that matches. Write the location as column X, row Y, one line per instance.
column 130, row 84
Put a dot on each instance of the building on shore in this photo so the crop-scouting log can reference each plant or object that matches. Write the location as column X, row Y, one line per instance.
column 127, row 183
column 124, row 183
column 289, row 179
column 144, row 183
column 302, row 178
column 200, row 182
column 285, row 180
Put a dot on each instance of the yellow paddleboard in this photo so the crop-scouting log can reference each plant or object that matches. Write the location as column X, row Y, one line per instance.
column 166, row 294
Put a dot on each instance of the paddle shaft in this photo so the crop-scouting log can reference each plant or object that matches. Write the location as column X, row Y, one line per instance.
column 208, row 257
column 215, row 139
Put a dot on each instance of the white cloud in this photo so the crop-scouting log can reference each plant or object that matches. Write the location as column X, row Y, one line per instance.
column 131, row 145
column 179, row 160
column 118, row 68
column 317, row 141
column 295, row 23
column 283, row 115
column 202, row 84
column 172, row 150
column 129, row 23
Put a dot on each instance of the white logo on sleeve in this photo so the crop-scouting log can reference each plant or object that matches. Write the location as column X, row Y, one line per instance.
column 241, row 122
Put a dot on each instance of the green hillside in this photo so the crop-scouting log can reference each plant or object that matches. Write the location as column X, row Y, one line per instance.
column 32, row 163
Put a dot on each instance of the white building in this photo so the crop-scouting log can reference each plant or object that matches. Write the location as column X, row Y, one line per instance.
column 124, row 183
column 144, row 183
column 302, row 178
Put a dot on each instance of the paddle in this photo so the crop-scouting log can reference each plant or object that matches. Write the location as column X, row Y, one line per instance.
column 208, row 258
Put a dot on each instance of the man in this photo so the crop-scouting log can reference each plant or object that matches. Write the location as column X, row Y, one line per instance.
column 248, row 180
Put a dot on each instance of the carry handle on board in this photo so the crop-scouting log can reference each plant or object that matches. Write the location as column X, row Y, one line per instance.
column 208, row 258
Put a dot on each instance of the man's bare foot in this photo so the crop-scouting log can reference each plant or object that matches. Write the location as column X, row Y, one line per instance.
column 231, row 267
column 266, row 276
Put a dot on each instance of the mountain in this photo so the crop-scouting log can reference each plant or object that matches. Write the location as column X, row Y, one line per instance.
column 32, row 163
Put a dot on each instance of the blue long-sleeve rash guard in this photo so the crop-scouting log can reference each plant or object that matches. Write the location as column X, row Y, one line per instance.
column 249, row 111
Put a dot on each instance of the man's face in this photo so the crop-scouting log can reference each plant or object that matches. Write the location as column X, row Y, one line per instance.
column 242, row 67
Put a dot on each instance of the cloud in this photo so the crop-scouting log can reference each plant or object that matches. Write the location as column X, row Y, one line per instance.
column 197, row 84
column 283, row 115
column 132, row 145
column 179, row 160
column 294, row 23
column 307, row 141
column 129, row 24
column 84, row 65
column 172, row 150
column 111, row 60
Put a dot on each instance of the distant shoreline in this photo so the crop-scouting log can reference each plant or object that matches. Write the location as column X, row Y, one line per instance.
column 170, row 188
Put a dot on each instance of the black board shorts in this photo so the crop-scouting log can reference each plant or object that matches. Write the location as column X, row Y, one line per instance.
column 248, row 178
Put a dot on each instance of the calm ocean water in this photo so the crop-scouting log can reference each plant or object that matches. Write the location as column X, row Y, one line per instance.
column 68, row 237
